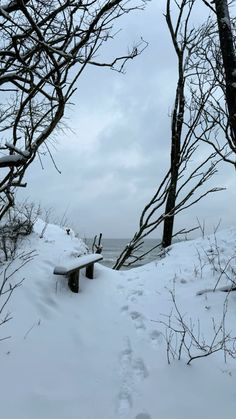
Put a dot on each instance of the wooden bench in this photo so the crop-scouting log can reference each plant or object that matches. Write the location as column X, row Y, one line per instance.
column 71, row 269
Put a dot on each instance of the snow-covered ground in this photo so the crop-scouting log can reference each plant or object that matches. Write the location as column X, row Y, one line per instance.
column 102, row 353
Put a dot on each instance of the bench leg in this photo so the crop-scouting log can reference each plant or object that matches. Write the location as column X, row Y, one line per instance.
column 89, row 271
column 73, row 282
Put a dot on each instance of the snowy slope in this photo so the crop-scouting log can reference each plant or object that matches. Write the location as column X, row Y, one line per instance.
column 101, row 354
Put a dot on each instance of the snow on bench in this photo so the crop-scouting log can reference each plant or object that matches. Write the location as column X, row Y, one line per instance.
column 71, row 269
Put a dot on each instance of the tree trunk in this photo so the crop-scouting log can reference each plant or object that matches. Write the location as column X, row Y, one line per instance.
column 229, row 62
column 176, row 132
column 169, row 221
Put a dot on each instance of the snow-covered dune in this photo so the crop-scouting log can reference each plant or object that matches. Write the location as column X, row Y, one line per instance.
column 101, row 354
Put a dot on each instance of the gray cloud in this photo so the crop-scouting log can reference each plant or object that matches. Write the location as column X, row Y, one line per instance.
column 118, row 149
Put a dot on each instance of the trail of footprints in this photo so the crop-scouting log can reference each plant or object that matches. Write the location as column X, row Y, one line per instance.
column 137, row 318
column 132, row 371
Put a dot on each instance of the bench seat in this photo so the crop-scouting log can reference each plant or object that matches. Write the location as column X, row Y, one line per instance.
column 71, row 269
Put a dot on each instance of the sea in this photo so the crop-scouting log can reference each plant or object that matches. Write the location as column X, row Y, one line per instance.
column 113, row 247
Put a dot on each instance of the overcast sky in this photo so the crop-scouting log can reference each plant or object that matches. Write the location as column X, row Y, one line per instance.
column 117, row 149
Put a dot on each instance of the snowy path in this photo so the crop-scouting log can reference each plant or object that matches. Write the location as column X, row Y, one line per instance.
column 101, row 354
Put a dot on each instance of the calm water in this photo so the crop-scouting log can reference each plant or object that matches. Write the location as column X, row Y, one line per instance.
column 113, row 247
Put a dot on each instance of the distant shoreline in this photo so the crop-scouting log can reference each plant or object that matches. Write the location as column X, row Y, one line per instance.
column 113, row 247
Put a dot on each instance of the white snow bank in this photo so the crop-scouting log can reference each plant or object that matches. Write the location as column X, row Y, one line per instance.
column 101, row 354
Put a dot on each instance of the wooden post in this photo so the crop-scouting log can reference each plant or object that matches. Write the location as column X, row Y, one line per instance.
column 89, row 271
column 99, row 245
column 73, row 281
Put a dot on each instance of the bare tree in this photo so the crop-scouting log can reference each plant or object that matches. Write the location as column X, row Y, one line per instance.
column 179, row 188
column 223, row 51
column 181, row 39
column 44, row 48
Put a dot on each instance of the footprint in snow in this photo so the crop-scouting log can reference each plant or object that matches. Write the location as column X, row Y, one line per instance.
column 135, row 293
column 124, row 404
column 156, row 337
column 138, row 320
column 126, row 358
column 140, row 369
column 124, row 309
column 132, row 278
